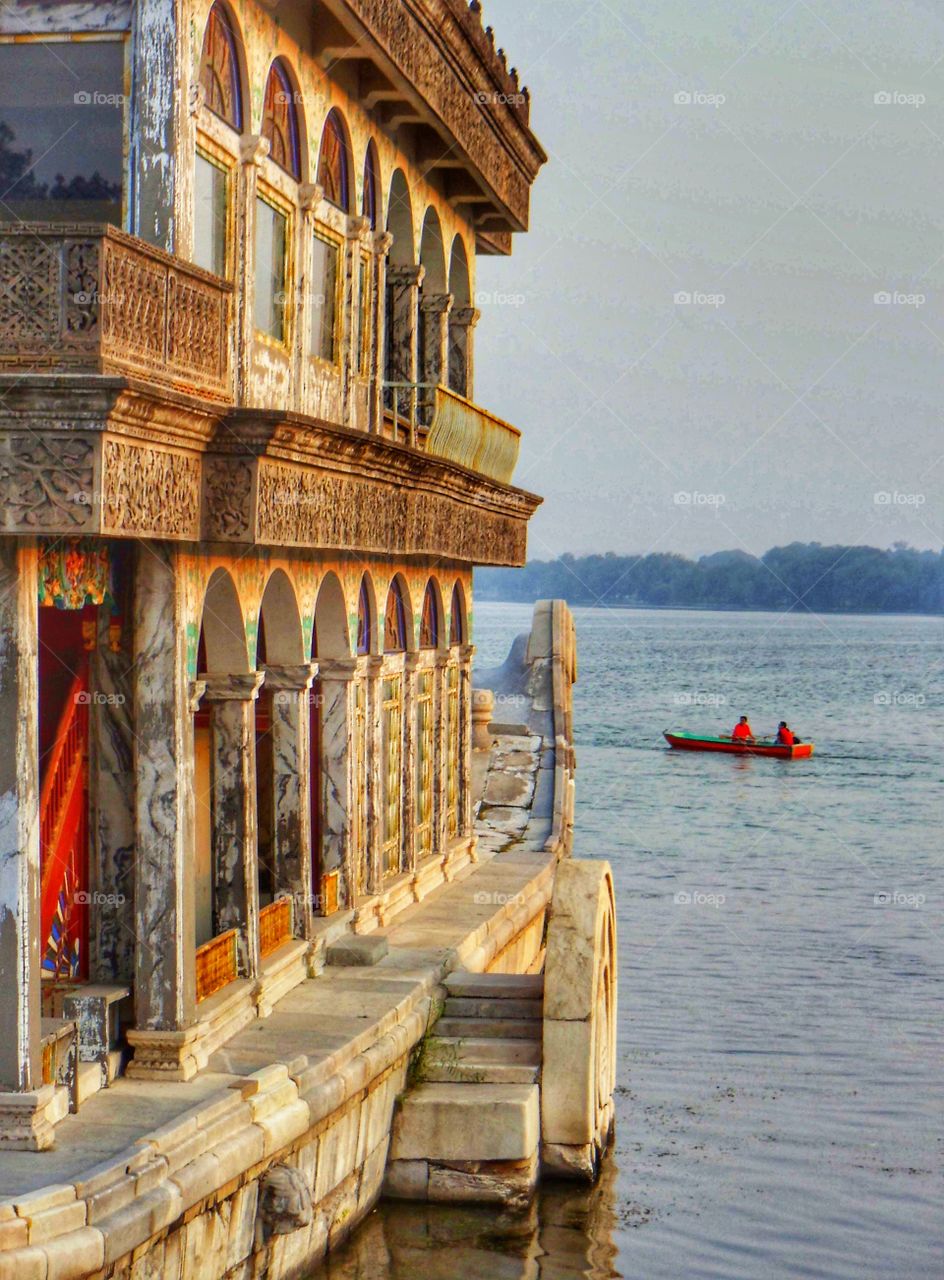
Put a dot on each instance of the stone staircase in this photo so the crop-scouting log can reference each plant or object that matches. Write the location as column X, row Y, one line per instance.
column 489, row 1031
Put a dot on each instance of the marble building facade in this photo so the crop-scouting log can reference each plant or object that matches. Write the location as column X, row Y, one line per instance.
column 245, row 482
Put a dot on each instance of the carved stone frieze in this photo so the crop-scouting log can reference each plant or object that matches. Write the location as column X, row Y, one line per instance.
column 150, row 492
column 227, row 496
column 47, row 483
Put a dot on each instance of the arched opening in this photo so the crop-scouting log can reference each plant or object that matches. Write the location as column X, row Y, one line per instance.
column 461, row 321
column 220, row 68
column 395, row 619
column 366, row 615
column 222, row 733
column 400, row 302
column 280, row 120
column 334, row 162
column 433, row 317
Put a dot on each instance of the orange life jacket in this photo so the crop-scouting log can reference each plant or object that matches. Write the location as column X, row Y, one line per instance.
column 742, row 731
column 785, row 737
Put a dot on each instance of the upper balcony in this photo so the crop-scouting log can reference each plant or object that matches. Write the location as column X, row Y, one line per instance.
column 91, row 299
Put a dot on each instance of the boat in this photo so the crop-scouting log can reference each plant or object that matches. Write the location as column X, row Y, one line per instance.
column 699, row 742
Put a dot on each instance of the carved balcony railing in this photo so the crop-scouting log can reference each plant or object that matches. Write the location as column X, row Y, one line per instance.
column 91, row 299
column 217, row 963
column 275, row 926
column 449, row 426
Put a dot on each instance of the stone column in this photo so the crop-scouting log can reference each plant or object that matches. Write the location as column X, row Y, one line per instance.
column 373, row 667
column 408, row 811
column 440, row 755
column 335, row 679
column 111, row 797
column 253, row 150
column 466, row 653
column 435, row 354
column 405, row 284
column 164, row 967
column 310, row 195
column 462, row 322
column 291, row 773
column 382, row 242
column 233, row 788
column 355, row 237
column 21, row 1120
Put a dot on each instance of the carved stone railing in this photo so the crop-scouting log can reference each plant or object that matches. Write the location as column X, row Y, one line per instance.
column 465, row 433
column 89, row 298
column 275, row 925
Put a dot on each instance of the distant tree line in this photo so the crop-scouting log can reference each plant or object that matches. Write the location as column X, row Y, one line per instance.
column 827, row 579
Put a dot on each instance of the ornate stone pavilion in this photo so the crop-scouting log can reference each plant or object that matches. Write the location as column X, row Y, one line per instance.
column 244, row 484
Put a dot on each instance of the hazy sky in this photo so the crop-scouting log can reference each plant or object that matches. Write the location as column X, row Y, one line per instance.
column 734, row 152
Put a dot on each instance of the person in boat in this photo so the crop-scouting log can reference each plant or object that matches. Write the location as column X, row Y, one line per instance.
column 785, row 735
column 742, row 731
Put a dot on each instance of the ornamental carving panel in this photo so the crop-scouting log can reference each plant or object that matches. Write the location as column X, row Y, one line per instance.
column 29, row 294
column 47, row 483
column 227, row 497
column 150, row 492
column 299, row 507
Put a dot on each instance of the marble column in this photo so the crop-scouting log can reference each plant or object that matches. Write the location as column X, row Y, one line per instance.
column 440, row 755
column 233, row 788
column 291, row 771
column 164, row 969
column 462, row 322
column 20, row 1054
column 253, row 150
column 372, row 669
column 435, row 354
column 404, row 283
column 408, row 810
column 111, row 797
column 466, row 653
column 381, row 247
column 335, row 686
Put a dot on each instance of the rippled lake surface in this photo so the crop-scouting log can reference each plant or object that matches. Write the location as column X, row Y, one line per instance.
column 780, row 1107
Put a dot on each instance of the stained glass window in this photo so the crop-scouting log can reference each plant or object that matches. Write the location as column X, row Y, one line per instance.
column 219, row 69
column 394, row 621
column 363, row 619
column 369, row 199
column 429, row 627
column 332, row 163
column 456, row 620
column 280, row 121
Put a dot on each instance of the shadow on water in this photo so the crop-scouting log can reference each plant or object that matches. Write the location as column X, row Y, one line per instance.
column 567, row 1232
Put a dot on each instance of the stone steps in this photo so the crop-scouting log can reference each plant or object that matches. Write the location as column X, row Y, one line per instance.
column 496, row 986
column 489, row 1028
column 452, row 1072
column 492, row 1050
column 487, row 1007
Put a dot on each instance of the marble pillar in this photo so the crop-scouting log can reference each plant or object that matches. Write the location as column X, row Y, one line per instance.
column 440, row 746
column 465, row 739
column 253, row 150
column 462, row 322
column 111, row 797
column 404, row 284
column 435, row 354
column 164, row 971
column 291, row 770
column 381, row 247
column 20, row 1054
column 372, row 669
column 408, row 790
column 335, row 686
column 231, row 699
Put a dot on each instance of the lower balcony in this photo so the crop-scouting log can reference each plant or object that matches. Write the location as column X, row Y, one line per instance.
column 449, row 426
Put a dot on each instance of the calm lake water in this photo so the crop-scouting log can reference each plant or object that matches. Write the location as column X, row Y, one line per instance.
column 781, row 1047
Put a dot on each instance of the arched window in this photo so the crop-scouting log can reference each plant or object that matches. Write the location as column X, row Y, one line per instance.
column 394, row 620
column 429, row 626
column 219, row 69
column 333, row 167
column 456, row 618
column 364, row 636
column 369, row 198
column 280, row 121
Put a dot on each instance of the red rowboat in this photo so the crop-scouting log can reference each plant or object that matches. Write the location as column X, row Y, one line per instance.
column 697, row 742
